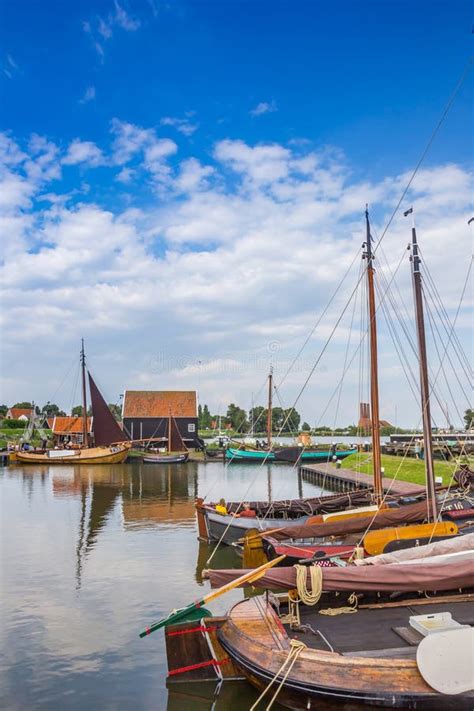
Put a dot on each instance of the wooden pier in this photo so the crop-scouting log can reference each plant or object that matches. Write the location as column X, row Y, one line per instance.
column 340, row 479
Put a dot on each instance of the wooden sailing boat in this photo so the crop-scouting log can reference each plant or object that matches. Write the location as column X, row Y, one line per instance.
column 291, row 455
column 177, row 452
column 228, row 529
column 320, row 542
column 396, row 655
column 235, row 455
column 110, row 442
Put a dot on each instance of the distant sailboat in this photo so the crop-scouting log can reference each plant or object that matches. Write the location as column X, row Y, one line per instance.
column 177, row 450
column 110, row 442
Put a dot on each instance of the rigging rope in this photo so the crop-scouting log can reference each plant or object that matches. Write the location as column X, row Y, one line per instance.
column 387, row 226
column 296, row 647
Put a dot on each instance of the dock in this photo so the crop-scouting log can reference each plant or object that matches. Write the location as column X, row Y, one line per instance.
column 340, row 479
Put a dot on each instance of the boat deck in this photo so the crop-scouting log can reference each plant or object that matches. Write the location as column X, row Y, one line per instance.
column 340, row 479
column 347, row 634
column 362, row 659
column 355, row 633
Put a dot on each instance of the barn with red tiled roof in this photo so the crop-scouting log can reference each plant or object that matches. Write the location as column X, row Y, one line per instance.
column 145, row 414
column 19, row 413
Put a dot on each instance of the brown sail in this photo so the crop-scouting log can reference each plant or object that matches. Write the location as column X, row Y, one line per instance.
column 176, row 443
column 106, row 427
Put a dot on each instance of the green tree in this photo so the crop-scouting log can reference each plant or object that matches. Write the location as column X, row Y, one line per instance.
column 116, row 411
column 3, row 410
column 50, row 410
column 305, row 427
column 23, row 405
column 258, row 419
column 237, row 417
column 469, row 418
column 77, row 411
column 292, row 420
column 206, row 417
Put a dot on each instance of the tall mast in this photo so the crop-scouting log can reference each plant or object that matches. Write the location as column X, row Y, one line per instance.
column 84, row 396
column 251, row 419
column 424, row 381
column 374, row 380
column 269, row 414
column 169, row 430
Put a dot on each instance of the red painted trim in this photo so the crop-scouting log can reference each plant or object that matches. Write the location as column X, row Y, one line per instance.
column 191, row 667
column 194, row 629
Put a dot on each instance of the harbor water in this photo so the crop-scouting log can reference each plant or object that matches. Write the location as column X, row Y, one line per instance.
column 90, row 556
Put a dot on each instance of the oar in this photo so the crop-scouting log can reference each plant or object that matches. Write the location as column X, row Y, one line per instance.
column 249, row 577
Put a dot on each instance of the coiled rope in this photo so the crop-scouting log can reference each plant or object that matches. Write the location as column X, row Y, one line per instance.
column 312, row 596
column 347, row 610
column 309, row 597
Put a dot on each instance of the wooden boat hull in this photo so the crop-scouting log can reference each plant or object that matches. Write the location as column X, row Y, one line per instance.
column 115, row 454
column 167, row 459
column 232, row 529
column 287, row 454
column 258, row 645
column 298, row 454
column 249, row 455
column 294, row 553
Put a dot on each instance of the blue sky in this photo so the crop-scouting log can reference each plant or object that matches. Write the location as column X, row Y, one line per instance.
column 172, row 132
column 367, row 77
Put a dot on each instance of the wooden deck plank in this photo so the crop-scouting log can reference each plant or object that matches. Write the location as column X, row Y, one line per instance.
column 347, row 479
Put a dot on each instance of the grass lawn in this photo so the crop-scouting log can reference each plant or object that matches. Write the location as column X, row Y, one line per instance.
column 408, row 469
column 8, row 434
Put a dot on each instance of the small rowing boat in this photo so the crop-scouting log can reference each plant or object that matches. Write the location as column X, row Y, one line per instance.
column 167, row 459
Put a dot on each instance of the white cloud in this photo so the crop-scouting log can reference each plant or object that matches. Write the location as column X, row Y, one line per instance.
column 124, row 20
column 184, row 126
column 133, row 142
column 129, row 140
column 192, row 176
column 10, row 153
column 11, row 62
column 228, row 267
column 10, row 67
column 261, row 164
column 83, row 152
column 101, row 29
column 104, row 28
column 89, row 95
column 125, row 176
column 264, row 107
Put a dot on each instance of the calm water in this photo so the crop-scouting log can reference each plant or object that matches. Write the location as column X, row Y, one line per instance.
column 89, row 557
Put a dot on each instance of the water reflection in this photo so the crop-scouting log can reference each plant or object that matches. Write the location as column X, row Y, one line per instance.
column 91, row 555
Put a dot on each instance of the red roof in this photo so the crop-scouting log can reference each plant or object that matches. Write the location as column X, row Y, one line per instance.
column 17, row 412
column 70, row 425
column 159, row 403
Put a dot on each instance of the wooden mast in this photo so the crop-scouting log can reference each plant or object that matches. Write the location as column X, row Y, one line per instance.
column 84, row 397
column 169, row 430
column 269, row 414
column 374, row 382
column 424, row 380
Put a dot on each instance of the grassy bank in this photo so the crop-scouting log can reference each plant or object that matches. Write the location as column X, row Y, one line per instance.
column 405, row 469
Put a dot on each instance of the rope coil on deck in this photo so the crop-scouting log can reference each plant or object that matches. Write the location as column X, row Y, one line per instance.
column 347, row 610
column 312, row 596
